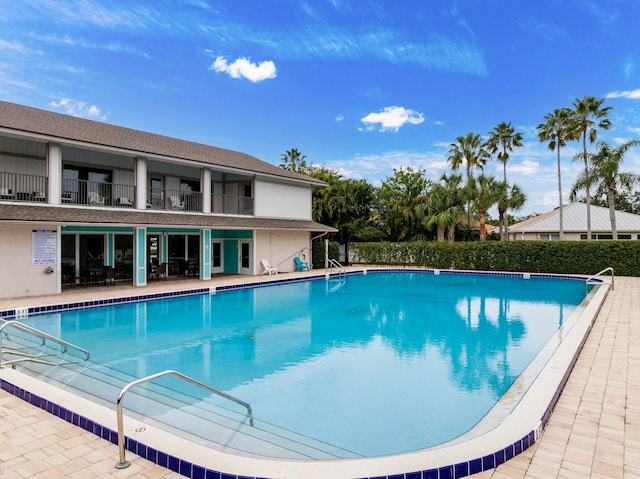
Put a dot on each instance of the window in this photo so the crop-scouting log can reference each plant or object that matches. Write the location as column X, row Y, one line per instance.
column 550, row 237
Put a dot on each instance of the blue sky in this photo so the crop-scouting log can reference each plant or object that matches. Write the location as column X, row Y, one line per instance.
column 360, row 86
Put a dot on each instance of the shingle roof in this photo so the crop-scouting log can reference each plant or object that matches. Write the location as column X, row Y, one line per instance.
column 129, row 217
column 574, row 220
column 58, row 127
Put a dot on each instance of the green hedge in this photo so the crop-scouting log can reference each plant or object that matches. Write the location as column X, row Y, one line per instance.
column 318, row 252
column 573, row 257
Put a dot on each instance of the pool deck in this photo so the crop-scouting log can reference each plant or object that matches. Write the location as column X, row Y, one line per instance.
column 593, row 432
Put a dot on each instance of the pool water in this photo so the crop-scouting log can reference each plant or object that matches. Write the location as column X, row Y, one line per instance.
column 376, row 364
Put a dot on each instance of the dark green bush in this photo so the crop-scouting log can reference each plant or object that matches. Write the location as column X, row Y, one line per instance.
column 318, row 252
column 566, row 257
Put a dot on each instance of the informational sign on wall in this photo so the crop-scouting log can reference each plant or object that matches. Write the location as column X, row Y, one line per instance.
column 44, row 244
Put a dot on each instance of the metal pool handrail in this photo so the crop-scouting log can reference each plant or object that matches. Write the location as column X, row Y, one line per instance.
column 40, row 334
column 590, row 279
column 123, row 462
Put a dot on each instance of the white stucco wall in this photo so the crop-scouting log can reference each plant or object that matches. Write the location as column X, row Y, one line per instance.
column 279, row 247
column 20, row 277
column 280, row 200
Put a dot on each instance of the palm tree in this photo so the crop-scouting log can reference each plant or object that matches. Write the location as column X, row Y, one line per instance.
column 502, row 140
column 587, row 111
column 444, row 207
column 604, row 172
column 469, row 150
column 489, row 193
column 293, row 160
column 514, row 199
column 557, row 130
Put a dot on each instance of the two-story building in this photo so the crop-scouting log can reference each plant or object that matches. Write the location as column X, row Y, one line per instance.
column 83, row 202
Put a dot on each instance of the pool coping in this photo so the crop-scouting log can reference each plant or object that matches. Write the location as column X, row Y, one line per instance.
column 515, row 434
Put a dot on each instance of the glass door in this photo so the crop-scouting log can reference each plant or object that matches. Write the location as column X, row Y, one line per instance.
column 244, row 261
column 217, row 260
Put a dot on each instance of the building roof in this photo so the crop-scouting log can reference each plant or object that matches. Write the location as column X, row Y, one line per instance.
column 574, row 220
column 27, row 121
column 38, row 214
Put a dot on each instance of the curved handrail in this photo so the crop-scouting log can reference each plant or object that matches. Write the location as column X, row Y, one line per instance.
column 123, row 462
column 42, row 335
column 335, row 264
column 609, row 269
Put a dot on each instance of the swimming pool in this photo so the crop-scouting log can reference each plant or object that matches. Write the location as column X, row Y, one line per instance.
column 424, row 356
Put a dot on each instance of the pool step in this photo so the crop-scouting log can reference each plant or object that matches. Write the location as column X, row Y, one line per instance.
column 206, row 420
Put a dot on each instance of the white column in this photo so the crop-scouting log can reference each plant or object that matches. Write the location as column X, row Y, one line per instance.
column 205, row 188
column 54, row 173
column 140, row 172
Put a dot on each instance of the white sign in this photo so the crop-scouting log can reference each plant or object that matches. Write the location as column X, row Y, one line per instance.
column 44, row 246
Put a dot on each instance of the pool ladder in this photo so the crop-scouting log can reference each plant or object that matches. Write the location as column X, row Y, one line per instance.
column 334, row 264
column 123, row 463
column 592, row 279
column 24, row 357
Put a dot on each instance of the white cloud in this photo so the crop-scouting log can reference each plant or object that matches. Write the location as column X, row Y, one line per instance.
column 243, row 68
column 634, row 130
column 78, row 108
column 526, row 167
column 392, row 118
column 13, row 46
column 438, row 123
column 632, row 94
column 339, row 117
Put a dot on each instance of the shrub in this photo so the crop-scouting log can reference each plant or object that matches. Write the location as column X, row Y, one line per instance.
column 318, row 252
column 562, row 257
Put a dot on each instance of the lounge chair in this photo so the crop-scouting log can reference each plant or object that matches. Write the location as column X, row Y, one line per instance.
column 95, row 198
column 176, row 204
column 301, row 265
column 124, row 201
column 268, row 268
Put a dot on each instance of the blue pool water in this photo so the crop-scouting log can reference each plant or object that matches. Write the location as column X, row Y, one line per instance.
column 377, row 364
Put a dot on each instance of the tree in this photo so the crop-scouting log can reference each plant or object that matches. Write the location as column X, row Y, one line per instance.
column 489, row 192
column 397, row 199
column 293, row 160
column 444, row 207
column 502, row 140
column 469, row 150
column 604, row 172
column 587, row 111
column 557, row 130
column 513, row 198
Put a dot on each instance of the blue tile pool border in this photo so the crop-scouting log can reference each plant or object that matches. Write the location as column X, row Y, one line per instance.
column 195, row 471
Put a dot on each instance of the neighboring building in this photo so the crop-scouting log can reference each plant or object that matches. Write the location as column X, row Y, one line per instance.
column 574, row 222
column 84, row 201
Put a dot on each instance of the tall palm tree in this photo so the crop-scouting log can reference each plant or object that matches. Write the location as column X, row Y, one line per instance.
column 589, row 115
column 293, row 160
column 557, row 130
column 469, row 150
column 502, row 140
column 605, row 174
column 489, row 193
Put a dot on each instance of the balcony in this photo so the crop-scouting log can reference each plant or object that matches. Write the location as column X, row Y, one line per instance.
column 33, row 188
column 93, row 193
column 18, row 187
column 231, row 204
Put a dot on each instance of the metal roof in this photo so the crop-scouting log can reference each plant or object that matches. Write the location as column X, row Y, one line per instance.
column 26, row 121
column 574, row 220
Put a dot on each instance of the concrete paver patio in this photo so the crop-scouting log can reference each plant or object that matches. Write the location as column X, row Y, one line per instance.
column 594, row 431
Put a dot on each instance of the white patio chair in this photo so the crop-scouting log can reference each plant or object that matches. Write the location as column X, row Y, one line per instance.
column 268, row 268
column 95, row 198
column 176, row 204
